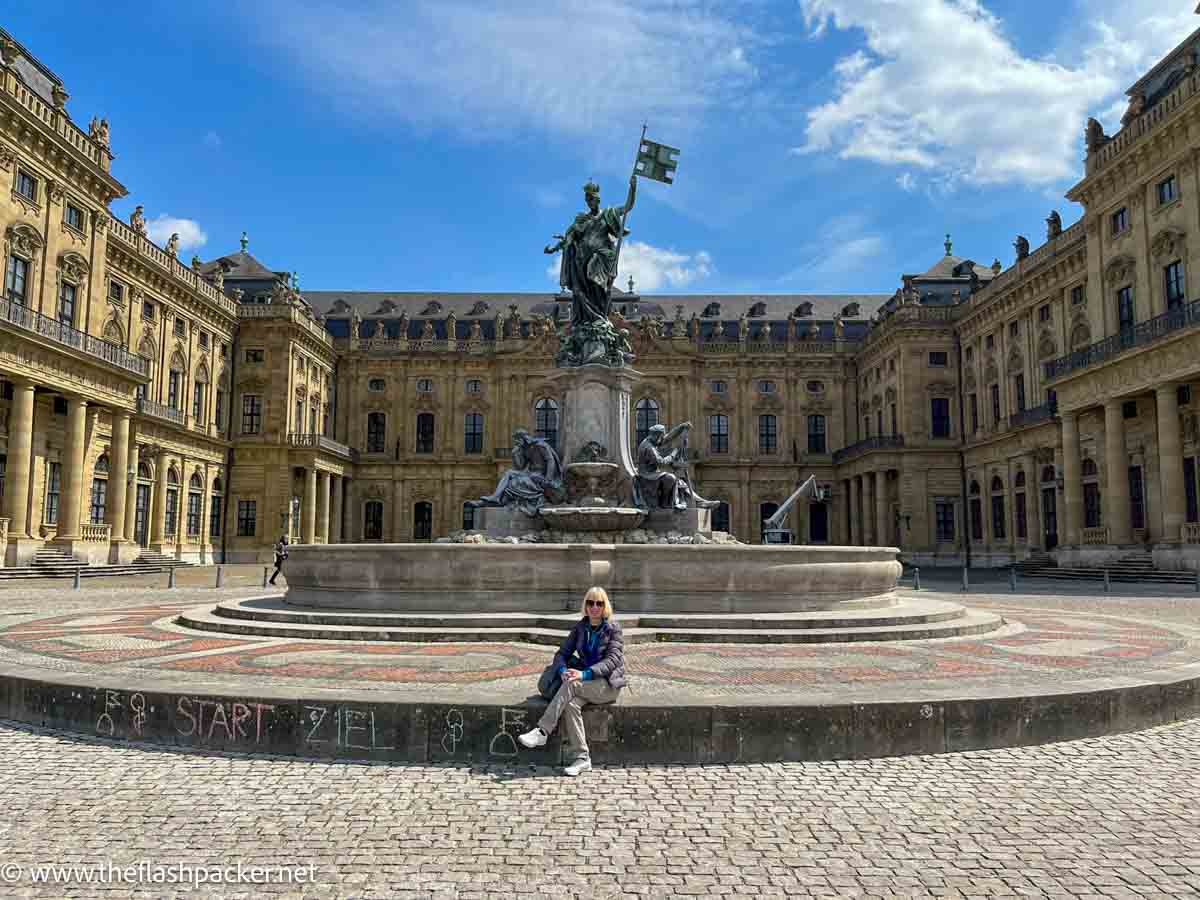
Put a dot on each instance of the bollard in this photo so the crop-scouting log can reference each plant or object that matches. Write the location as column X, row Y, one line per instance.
column 171, row 577
column 917, row 579
column 966, row 582
column 1012, row 578
column 265, row 572
column 75, row 585
column 1107, row 584
column 220, row 576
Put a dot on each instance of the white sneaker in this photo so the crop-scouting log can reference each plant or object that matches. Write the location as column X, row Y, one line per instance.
column 531, row 739
column 580, row 765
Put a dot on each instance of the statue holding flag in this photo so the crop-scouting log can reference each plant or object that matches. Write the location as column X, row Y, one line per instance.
column 591, row 249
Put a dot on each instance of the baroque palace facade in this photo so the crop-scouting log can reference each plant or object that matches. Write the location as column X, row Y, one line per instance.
column 979, row 414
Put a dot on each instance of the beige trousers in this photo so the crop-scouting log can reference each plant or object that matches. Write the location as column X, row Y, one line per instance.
column 567, row 707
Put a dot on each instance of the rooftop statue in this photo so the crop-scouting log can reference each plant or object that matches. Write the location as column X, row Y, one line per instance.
column 535, row 477
column 662, row 481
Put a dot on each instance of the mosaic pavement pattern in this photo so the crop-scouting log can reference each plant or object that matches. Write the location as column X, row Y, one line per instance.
column 1049, row 644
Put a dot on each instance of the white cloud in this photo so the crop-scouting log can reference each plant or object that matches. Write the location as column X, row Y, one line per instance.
column 548, row 198
column 906, row 182
column 940, row 87
column 191, row 235
column 654, row 268
column 845, row 245
column 480, row 68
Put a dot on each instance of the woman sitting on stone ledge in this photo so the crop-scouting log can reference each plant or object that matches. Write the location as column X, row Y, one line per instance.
column 588, row 668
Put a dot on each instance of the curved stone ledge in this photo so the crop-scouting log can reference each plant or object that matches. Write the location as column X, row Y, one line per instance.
column 678, row 578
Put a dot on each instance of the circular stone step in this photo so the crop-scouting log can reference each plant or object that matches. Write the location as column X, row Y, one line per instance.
column 905, row 620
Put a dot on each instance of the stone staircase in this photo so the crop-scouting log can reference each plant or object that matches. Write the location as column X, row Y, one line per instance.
column 1134, row 569
column 54, row 562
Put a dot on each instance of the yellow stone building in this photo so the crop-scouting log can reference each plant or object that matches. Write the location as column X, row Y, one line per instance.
column 979, row 413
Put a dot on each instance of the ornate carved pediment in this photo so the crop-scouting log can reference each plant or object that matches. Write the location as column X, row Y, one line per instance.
column 1046, row 346
column 969, row 381
column 1015, row 363
column 1120, row 269
column 375, row 491
column 252, row 384
column 940, row 387
column 991, row 372
column 772, row 402
column 113, row 332
column 73, row 266
column 23, row 239
column 8, row 156
column 1168, row 242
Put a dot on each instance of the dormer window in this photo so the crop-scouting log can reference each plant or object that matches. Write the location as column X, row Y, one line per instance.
column 803, row 311
column 851, row 311
column 758, row 310
column 712, row 311
column 432, row 308
column 480, row 308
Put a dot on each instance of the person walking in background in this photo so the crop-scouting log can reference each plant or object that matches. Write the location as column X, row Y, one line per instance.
column 281, row 554
column 588, row 668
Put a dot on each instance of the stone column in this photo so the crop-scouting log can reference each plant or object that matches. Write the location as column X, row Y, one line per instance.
column 158, row 525
column 852, row 524
column 309, row 519
column 1116, row 463
column 130, row 489
column 399, row 512
column 1072, row 488
column 868, row 517
column 76, row 443
column 323, row 491
column 118, row 466
column 20, row 459
column 335, row 534
column 1170, row 462
column 1033, row 503
column 883, row 533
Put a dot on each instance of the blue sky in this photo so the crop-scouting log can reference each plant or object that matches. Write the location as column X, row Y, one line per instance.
column 827, row 145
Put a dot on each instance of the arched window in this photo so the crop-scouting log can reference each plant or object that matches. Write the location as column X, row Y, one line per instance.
column 1020, row 513
column 1020, row 480
column 216, row 508
column 998, row 528
column 473, row 433
column 718, row 434
column 468, row 517
column 1088, row 468
column 1048, row 474
column 720, row 517
column 422, row 521
column 645, row 418
column 1092, row 512
column 376, row 432
column 172, row 508
column 976, row 513
column 545, row 420
column 194, row 504
column 768, row 434
column 99, row 491
column 425, row 432
column 144, row 472
column 816, row 434
column 765, row 511
column 373, row 520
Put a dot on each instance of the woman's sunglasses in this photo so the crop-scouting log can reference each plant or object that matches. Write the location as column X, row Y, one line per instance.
column 599, row 604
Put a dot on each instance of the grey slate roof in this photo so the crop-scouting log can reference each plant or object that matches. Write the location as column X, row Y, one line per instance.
column 36, row 76
column 944, row 268
column 239, row 265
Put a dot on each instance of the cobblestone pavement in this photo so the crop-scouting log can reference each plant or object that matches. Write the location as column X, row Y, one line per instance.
column 1110, row 817
column 1054, row 642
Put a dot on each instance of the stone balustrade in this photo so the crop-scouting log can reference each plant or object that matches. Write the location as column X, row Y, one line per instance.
column 880, row 442
column 160, row 411
column 147, row 250
column 57, row 120
column 320, row 442
column 289, row 311
column 3, row 531
column 1097, row 535
column 1166, row 107
column 95, row 534
column 1190, row 532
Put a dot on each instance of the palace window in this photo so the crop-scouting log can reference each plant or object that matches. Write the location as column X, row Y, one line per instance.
column 424, row 385
column 1167, row 191
column 718, row 434
column 973, row 400
column 66, row 303
column 1125, row 308
column 1173, row 279
column 474, row 386
column 1019, row 391
column 816, row 434
column 1129, row 409
column 194, row 504
column 425, row 432
column 373, row 520
column 969, row 355
column 1014, row 328
column 174, row 384
column 1021, row 516
column 198, row 403
column 220, row 410
column 376, row 385
column 73, row 217
column 879, row 422
column 251, row 414
column 1192, row 502
column 545, row 420
column 997, row 509
column 989, row 342
column 718, row 387
column 1091, row 494
column 939, row 358
column 172, row 510
column 895, row 430
column 1119, row 220
column 720, row 517
column 247, row 518
column 99, row 498
column 1137, row 498
column 215, row 510
column 645, row 417
column 376, row 432
column 766, row 387
column 473, row 433
column 298, row 417
column 27, row 185
column 1078, row 296
column 768, row 438
column 148, row 313
column 180, row 327
column 254, row 355
column 939, row 408
column 422, row 521
column 976, row 513
column 203, row 340
column 16, row 279
column 53, row 493
column 943, row 514
column 1044, row 312
column 468, row 517
column 815, row 387
column 994, row 390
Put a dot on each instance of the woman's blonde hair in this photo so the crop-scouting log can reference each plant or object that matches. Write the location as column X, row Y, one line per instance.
column 597, row 593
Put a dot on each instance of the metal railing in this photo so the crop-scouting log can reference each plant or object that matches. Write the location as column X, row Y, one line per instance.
column 1034, row 415
column 880, row 442
column 1148, row 332
column 26, row 319
column 159, row 411
column 319, row 442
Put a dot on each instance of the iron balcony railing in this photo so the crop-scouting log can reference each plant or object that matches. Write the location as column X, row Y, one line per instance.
column 319, row 442
column 160, row 411
column 1033, row 415
column 15, row 314
column 1148, row 332
column 880, row 442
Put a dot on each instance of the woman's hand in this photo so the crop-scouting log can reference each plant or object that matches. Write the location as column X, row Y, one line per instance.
column 572, row 675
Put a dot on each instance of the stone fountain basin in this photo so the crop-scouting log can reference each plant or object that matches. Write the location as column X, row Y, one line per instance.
column 592, row 518
column 549, row 577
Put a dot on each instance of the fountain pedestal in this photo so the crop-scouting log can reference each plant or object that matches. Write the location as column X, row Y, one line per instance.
column 596, row 407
